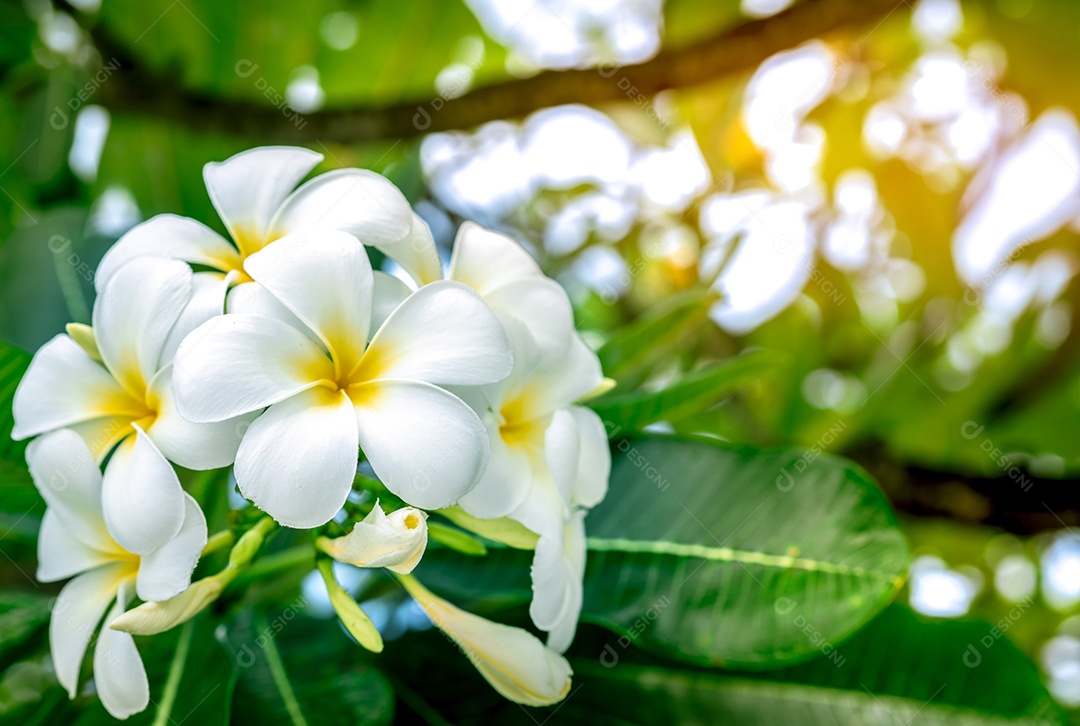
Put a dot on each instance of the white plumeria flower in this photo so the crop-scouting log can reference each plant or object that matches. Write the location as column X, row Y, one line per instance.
column 396, row 541
column 75, row 542
column 330, row 390
column 121, row 384
column 549, row 463
column 549, row 458
column 256, row 195
column 512, row 660
column 511, row 283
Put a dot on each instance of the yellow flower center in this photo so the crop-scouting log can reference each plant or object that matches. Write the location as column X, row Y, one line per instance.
column 517, row 427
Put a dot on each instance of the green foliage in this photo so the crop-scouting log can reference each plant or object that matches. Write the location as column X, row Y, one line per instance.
column 295, row 670
column 710, row 555
column 694, row 392
column 901, row 668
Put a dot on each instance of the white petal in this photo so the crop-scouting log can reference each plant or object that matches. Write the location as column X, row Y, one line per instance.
column 76, row 615
column 247, row 189
column 68, row 478
column 485, row 260
column 416, row 253
column 572, row 563
column 297, row 460
column 425, row 444
column 550, row 583
column 505, row 483
column 251, row 298
column 141, row 496
column 64, row 386
column 396, row 542
column 197, row 446
column 134, row 314
column 444, row 334
column 208, row 290
column 512, row 660
column 118, row 670
column 102, row 434
column 543, row 510
column 166, row 572
column 356, row 201
column 594, row 464
column 573, row 375
column 235, row 364
column 578, row 456
column 546, row 377
column 540, row 304
column 388, row 293
column 325, row 279
column 169, row 236
column 61, row 554
column 562, row 448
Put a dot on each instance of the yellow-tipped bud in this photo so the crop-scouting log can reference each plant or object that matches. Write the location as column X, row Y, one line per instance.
column 512, row 660
column 152, row 618
column 395, row 541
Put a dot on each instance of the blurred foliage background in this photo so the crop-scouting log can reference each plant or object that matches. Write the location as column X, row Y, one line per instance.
column 880, row 198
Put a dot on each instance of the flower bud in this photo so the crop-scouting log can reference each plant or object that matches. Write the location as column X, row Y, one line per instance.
column 152, row 618
column 395, row 541
column 512, row 660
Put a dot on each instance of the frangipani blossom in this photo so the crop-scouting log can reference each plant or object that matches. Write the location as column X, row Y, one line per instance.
column 395, row 541
column 549, row 457
column 329, row 390
column 256, row 195
column 118, row 382
column 549, row 463
column 75, row 542
column 512, row 660
column 511, row 283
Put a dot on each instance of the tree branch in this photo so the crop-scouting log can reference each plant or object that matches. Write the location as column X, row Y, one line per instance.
column 134, row 89
column 1021, row 504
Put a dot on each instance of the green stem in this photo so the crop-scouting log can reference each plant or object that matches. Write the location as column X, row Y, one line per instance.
column 219, row 541
column 281, row 678
column 176, row 672
column 278, row 562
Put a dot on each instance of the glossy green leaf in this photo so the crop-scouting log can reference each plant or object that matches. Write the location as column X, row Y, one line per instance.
column 692, row 392
column 900, row 669
column 718, row 555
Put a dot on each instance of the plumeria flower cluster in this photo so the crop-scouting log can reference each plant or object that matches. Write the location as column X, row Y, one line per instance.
column 281, row 352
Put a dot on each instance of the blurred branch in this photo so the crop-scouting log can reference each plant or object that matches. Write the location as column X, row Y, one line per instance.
column 136, row 89
column 1023, row 505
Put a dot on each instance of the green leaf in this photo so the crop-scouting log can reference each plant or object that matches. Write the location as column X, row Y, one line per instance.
column 13, row 363
column 204, row 46
column 712, row 555
column 716, row 554
column 21, row 506
column 631, row 349
column 900, row 669
column 693, row 392
column 22, row 615
column 297, row 670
